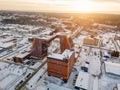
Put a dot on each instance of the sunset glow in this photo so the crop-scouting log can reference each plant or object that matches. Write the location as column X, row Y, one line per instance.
column 62, row 5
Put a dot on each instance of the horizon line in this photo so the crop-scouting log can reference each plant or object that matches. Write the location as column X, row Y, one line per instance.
column 67, row 12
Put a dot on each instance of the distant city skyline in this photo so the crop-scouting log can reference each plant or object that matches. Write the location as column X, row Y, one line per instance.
column 104, row 6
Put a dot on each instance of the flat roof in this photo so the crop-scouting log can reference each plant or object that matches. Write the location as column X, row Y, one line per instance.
column 82, row 80
column 7, row 45
column 65, row 55
column 6, row 81
column 22, row 55
column 113, row 68
column 56, row 56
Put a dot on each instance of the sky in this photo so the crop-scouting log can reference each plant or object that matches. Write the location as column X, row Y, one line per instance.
column 104, row 6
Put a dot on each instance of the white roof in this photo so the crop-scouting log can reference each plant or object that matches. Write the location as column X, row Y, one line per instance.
column 67, row 53
column 55, row 55
column 7, row 39
column 22, row 55
column 113, row 68
column 36, row 65
column 3, row 65
column 82, row 80
column 7, row 45
column 6, row 81
column 34, row 80
column 95, row 65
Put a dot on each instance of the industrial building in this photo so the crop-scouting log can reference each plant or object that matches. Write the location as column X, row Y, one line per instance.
column 60, row 65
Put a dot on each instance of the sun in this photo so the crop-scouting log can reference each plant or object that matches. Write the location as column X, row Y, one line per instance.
column 84, row 6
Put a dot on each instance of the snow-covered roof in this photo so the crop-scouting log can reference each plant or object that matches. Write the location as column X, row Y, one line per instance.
column 36, row 65
column 22, row 55
column 82, row 80
column 7, row 45
column 113, row 68
column 56, row 56
column 33, row 81
column 66, row 54
column 8, row 39
column 95, row 65
column 5, row 82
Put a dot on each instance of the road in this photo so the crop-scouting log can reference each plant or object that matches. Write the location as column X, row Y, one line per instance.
column 115, row 44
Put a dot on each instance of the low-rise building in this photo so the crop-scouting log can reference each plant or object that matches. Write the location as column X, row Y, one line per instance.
column 91, row 41
column 20, row 57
